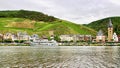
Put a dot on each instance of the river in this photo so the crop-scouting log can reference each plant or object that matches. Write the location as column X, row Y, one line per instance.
column 60, row 57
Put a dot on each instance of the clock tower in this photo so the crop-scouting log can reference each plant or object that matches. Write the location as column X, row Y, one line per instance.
column 110, row 31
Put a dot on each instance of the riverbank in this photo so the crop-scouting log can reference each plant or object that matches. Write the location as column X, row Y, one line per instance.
column 66, row 44
column 14, row 44
column 89, row 44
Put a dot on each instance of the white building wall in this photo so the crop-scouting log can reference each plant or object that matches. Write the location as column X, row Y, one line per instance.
column 66, row 38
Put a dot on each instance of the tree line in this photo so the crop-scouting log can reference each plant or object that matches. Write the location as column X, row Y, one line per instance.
column 32, row 15
column 103, row 25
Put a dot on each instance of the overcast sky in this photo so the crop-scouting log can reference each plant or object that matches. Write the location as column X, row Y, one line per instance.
column 78, row 11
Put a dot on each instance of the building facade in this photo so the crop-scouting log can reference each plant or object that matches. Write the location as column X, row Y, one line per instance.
column 100, row 37
column 76, row 38
column 115, row 37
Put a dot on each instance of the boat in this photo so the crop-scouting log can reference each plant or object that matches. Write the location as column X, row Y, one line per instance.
column 44, row 42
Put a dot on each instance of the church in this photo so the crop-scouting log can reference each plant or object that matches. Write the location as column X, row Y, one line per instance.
column 100, row 36
column 112, row 37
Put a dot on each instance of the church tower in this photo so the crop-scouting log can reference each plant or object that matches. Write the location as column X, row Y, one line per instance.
column 110, row 31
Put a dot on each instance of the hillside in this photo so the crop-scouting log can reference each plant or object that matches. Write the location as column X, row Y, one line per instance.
column 40, row 27
column 103, row 24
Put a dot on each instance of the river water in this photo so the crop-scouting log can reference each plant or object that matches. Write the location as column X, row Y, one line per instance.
column 60, row 57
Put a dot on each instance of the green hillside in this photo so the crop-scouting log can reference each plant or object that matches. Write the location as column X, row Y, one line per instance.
column 40, row 27
column 103, row 24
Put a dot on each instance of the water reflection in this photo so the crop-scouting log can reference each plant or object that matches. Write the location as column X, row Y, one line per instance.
column 63, row 57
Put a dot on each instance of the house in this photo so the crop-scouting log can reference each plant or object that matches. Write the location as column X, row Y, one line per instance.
column 80, row 37
column 7, row 36
column 100, row 37
column 66, row 37
column 14, row 37
column 115, row 37
column 1, row 37
column 75, row 38
column 88, row 38
column 118, row 38
column 23, row 36
column 34, row 38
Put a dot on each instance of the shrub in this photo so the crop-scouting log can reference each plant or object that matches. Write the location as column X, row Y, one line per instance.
column 19, row 41
column 8, row 40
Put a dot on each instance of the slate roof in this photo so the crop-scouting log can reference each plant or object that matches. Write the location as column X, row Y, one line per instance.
column 110, row 23
column 100, row 33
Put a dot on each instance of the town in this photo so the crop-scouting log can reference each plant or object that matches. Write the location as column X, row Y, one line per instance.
column 71, row 39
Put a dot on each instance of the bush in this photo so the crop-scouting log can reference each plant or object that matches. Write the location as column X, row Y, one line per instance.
column 1, row 40
column 71, row 41
column 8, row 40
column 57, row 38
column 22, row 41
column 16, row 41
column 19, row 41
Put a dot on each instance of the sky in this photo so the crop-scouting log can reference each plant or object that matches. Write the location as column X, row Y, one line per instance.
column 77, row 11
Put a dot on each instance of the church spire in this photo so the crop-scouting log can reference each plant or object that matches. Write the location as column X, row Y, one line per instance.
column 110, row 31
column 110, row 24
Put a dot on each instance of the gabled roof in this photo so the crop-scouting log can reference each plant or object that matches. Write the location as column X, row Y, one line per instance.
column 100, row 33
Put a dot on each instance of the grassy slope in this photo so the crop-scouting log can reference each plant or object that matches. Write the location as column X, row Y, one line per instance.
column 59, row 27
column 103, row 23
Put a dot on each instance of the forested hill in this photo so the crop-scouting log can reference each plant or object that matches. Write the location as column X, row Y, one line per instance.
column 32, row 15
column 103, row 24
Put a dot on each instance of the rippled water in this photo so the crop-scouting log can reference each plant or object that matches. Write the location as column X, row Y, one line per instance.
column 60, row 57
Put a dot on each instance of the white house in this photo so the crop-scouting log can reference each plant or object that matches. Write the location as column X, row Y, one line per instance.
column 115, row 37
column 66, row 37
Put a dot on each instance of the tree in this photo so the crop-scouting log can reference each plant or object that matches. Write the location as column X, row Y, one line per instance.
column 49, row 38
column 57, row 38
column 32, row 15
column 8, row 40
column 71, row 41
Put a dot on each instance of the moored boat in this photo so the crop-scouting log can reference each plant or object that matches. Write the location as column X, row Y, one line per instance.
column 44, row 43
